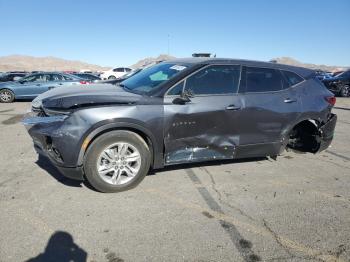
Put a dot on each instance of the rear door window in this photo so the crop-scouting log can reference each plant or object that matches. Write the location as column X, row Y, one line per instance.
column 263, row 80
column 292, row 78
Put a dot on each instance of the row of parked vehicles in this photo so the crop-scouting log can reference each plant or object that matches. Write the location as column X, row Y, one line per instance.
column 110, row 74
column 338, row 83
column 21, row 85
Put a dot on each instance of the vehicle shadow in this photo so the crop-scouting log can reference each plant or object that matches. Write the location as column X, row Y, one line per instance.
column 341, row 108
column 45, row 164
column 204, row 164
column 61, row 248
column 25, row 100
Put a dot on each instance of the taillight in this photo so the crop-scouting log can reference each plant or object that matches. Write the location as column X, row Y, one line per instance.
column 84, row 82
column 331, row 100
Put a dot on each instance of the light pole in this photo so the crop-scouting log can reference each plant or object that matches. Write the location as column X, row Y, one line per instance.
column 168, row 44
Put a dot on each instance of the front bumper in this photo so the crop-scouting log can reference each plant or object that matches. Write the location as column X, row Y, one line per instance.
column 326, row 133
column 51, row 140
column 76, row 173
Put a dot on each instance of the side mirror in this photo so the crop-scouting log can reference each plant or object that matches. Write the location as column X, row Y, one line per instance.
column 181, row 100
column 184, row 97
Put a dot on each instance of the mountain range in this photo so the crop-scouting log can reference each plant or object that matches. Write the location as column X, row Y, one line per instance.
column 294, row 62
column 50, row 63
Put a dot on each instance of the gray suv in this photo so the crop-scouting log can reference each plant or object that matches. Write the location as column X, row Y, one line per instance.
column 180, row 111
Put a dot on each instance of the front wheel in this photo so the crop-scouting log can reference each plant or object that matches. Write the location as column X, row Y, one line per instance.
column 117, row 161
column 6, row 96
column 112, row 78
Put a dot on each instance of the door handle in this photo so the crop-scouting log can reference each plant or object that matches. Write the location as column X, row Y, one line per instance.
column 233, row 107
column 288, row 100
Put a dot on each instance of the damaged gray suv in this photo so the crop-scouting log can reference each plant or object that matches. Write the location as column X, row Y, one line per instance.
column 180, row 111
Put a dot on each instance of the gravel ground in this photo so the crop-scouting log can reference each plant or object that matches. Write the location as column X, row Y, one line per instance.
column 294, row 209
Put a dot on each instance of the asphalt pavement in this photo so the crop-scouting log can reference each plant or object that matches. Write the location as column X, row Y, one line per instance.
column 296, row 208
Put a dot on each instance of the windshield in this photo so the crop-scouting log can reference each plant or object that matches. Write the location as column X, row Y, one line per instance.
column 150, row 78
column 343, row 74
column 30, row 78
column 131, row 73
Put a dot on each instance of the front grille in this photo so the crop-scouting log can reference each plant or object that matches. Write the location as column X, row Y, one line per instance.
column 39, row 112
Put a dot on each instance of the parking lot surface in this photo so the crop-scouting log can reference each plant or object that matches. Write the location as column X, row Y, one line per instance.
column 294, row 209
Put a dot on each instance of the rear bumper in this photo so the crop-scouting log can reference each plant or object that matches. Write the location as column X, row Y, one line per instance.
column 326, row 133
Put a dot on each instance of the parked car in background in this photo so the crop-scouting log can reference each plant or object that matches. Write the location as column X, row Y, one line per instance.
column 88, row 76
column 11, row 72
column 321, row 75
column 181, row 111
column 88, row 71
column 121, row 79
column 32, row 85
column 337, row 73
column 7, row 77
column 339, row 84
column 115, row 73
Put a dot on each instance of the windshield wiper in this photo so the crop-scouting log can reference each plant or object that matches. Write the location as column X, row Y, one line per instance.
column 123, row 86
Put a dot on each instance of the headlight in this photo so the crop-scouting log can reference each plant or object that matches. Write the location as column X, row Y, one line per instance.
column 36, row 103
column 52, row 112
column 29, row 120
column 50, row 116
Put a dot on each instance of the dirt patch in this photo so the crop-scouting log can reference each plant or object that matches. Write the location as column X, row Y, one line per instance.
column 13, row 120
column 5, row 111
column 207, row 214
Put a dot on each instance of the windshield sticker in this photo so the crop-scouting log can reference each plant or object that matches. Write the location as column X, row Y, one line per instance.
column 178, row 67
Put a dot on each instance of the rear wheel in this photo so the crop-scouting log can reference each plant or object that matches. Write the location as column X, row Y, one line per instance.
column 6, row 96
column 117, row 161
column 344, row 91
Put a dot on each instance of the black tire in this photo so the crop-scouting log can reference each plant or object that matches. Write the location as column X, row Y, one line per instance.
column 105, row 140
column 112, row 78
column 344, row 91
column 6, row 96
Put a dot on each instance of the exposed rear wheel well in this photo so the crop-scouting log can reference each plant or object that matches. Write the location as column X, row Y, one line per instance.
column 304, row 137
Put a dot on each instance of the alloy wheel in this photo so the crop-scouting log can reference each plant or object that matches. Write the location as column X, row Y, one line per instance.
column 5, row 96
column 119, row 163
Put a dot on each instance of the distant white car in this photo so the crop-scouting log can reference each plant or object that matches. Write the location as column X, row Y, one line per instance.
column 115, row 73
column 88, row 71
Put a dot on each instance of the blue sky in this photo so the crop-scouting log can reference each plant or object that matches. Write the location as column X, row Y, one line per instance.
column 122, row 32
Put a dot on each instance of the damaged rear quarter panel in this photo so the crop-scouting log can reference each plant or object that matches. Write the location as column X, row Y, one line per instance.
column 313, row 103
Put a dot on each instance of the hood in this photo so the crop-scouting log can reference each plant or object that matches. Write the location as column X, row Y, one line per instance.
column 69, row 97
